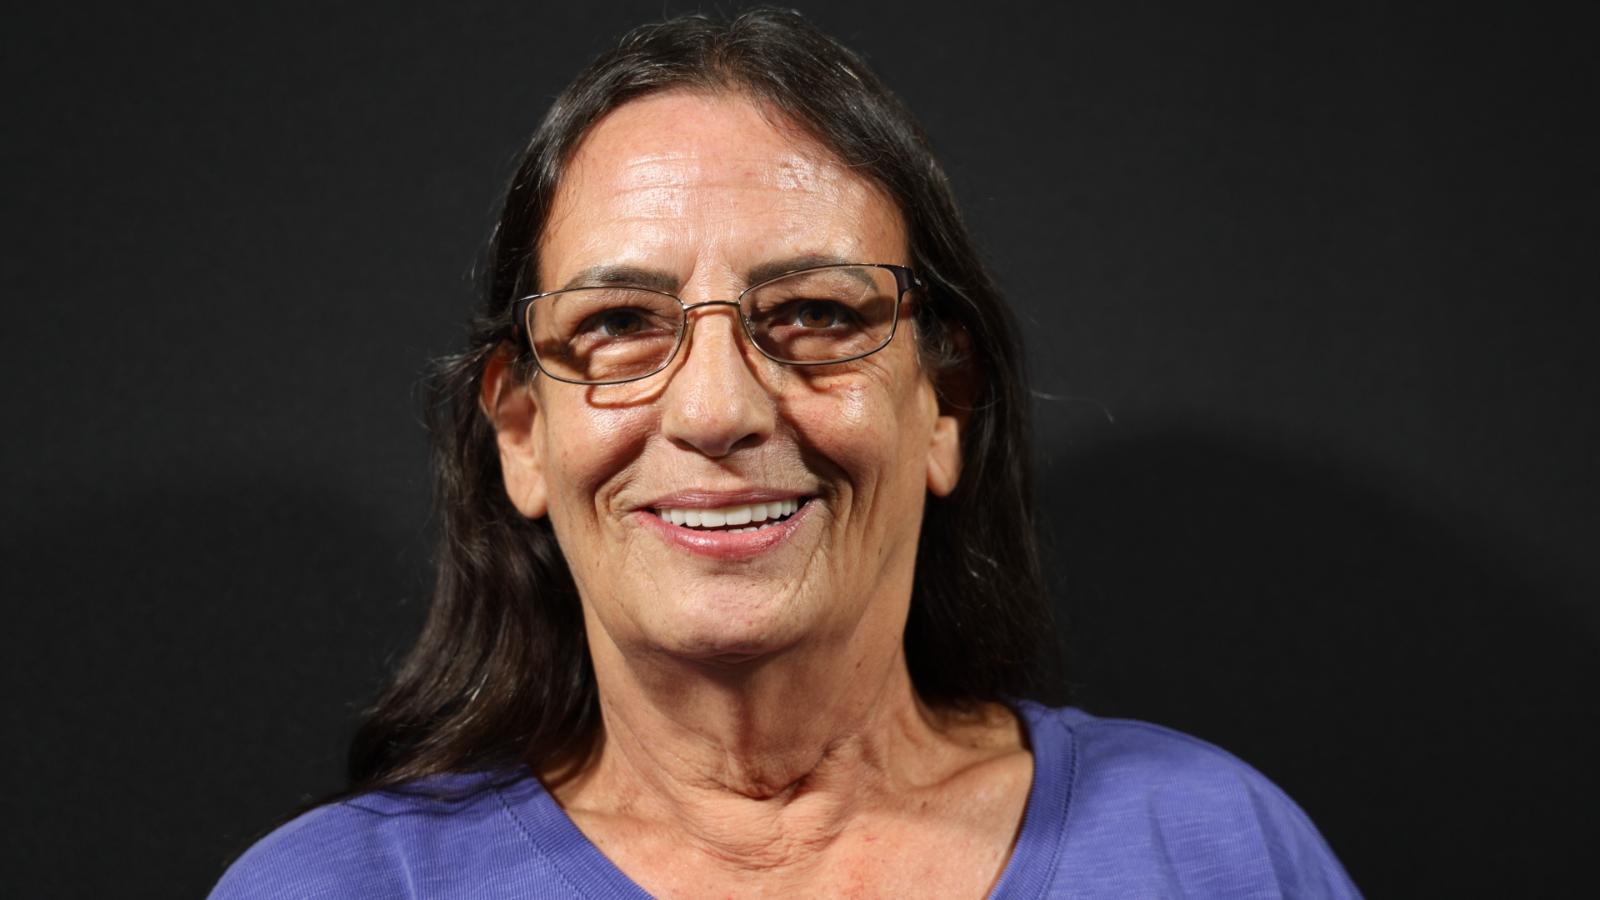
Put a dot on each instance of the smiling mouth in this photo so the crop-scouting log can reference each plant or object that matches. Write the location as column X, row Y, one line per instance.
column 733, row 519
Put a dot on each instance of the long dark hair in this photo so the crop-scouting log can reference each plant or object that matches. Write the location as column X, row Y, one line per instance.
column 501, row 672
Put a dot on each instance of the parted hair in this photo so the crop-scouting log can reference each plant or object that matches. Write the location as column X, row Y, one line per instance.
column 500, row 674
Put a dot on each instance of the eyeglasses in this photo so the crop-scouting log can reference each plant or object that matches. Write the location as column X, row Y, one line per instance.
column 818, row 316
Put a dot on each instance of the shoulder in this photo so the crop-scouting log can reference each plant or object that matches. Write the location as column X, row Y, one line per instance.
column 1113, row 760
column 381, row 844
column 1139, row 793
column 1122, row 755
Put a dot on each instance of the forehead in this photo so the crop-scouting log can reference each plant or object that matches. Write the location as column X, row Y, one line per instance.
column 688, row 182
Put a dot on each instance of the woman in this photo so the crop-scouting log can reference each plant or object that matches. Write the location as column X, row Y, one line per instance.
column 737, row 583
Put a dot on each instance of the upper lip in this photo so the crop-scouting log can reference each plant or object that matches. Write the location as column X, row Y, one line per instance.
column 704, row 499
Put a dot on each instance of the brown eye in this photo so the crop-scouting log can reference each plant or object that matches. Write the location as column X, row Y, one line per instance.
column 818, row 314
column 614, row 323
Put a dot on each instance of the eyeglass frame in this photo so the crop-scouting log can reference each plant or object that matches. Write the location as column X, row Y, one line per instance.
column 905, row 279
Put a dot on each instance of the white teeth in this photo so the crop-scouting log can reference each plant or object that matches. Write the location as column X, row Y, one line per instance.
column 742, row 515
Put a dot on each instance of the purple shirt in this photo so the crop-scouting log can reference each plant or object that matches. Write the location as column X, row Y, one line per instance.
column 1116, row 809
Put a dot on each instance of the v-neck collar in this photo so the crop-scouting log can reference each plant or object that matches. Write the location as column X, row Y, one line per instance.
column 1027, row 874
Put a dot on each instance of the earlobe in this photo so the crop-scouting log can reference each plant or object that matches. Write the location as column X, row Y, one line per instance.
column 944, row 456
column 508, row 403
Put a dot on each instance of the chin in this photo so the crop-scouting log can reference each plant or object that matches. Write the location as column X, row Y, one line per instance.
column 730, row 627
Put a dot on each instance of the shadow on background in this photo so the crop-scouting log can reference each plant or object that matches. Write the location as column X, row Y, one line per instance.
column 1428, row 705
column 188, row 663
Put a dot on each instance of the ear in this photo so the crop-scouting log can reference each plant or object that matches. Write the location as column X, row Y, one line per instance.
column 508, row 403
column 954, row 390
column 944, row 455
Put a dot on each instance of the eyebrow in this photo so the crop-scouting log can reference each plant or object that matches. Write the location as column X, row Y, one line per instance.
column 609, row 275
column 769, row 270
column 629, row 276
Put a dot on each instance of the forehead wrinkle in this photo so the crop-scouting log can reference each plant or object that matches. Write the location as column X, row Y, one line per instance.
column 665, row 185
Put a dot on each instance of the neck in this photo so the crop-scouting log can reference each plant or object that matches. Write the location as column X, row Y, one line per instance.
column 754, row 758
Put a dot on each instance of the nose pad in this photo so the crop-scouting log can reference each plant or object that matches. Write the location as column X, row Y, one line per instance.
column 714, row 401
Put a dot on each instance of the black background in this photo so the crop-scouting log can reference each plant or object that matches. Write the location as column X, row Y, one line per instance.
column 1309, row 300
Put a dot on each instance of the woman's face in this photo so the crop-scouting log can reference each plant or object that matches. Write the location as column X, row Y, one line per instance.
column 701, row 194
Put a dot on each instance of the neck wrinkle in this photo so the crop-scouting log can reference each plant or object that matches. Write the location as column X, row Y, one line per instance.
column 762, row 770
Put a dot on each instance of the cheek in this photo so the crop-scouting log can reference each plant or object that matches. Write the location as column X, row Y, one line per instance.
column 589, row 446
column 864, row 426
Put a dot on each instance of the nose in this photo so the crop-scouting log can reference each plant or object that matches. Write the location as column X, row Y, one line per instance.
column 713, row 401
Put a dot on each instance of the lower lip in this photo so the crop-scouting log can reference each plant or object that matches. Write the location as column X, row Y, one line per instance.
column 725, row 544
